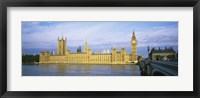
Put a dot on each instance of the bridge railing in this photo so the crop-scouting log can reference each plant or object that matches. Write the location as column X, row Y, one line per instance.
column 158, row 68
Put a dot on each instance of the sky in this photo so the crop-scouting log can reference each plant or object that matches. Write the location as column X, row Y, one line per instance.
column 43, row 36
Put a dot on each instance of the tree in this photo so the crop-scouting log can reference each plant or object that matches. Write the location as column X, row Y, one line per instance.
column 159, row 57
column 30, row 58
column 170, row 57
column 139, row 58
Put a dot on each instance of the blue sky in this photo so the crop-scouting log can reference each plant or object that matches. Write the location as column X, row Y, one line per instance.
column 38, row 36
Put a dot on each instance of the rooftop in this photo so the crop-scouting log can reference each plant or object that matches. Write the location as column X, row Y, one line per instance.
column 166, row 50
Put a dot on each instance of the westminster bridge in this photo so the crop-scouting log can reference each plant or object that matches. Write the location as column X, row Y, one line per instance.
column 158, row 68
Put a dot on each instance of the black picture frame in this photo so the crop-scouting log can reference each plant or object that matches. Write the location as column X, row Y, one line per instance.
column 98, row 3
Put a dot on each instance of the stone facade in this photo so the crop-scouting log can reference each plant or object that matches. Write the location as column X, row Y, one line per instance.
column 134, row 47
column 61, row 46
column 88, row 57
column 159, row 54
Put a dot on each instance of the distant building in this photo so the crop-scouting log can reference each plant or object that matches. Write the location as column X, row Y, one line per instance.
column 162, row 54
column 106, row 51
column 79, row 49
column 88, row 57
column 53, row 53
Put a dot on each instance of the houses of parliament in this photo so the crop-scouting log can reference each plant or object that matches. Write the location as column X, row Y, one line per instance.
column 64, row 55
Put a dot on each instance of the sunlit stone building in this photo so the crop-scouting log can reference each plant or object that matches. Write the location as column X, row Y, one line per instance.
column 88, row 57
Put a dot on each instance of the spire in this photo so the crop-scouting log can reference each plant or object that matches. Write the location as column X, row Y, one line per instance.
column 133, row 36
column 148, row 51
column 58, row 37
column 62, row 35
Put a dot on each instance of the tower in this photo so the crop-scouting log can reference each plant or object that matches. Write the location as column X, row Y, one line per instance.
column 148, row 49
column 114, row 55
column 61, row 46
column 134, row 47
column 79, row 49
column 86, row 47
column 123, row 54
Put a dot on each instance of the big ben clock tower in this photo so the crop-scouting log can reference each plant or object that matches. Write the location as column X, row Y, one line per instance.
column 134, row 48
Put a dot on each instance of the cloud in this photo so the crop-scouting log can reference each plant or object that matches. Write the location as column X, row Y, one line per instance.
column 44, row 35
column 160, row 37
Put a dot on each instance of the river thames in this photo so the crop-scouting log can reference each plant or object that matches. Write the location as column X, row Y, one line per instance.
column 80, row 70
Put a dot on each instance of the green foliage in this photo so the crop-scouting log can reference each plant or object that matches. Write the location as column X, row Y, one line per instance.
column 139, row 58
column 159, row 57
column 171, row 56
column 30, row 58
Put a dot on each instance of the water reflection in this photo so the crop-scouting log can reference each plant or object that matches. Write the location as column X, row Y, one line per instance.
column 80, row 70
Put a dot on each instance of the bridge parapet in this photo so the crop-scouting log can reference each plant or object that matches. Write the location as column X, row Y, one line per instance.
column 159, row 68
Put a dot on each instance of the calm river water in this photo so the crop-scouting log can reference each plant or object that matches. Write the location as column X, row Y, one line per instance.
column 80, row 70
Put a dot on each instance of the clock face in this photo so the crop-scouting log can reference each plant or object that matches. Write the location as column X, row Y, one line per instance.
column 133, row 41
